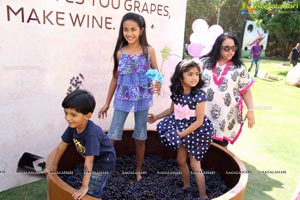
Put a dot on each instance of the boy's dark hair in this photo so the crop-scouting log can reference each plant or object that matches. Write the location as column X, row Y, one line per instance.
column 121, row 42
column 181, row 67
column 80, row 100
column 214, row 54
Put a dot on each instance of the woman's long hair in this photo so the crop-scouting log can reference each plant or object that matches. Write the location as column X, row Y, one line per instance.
column 123, row 42
column 181, row 67
column 213, row 56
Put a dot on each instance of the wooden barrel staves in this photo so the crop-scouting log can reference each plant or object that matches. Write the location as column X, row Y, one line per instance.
column 230, row 167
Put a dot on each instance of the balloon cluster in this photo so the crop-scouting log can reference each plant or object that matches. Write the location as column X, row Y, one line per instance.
column 202, row 38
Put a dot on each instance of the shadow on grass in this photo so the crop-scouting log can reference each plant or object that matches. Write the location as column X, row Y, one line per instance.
column 259, row 183
column 282, row 73
column 267, row 80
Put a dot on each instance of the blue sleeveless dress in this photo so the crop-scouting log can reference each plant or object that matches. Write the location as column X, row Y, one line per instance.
column 133, row 92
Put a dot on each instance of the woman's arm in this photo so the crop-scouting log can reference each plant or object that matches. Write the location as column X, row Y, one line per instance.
column 200, row 109
column 247, row 97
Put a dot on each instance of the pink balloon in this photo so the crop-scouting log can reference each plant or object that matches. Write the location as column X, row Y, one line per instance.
column 195, row 49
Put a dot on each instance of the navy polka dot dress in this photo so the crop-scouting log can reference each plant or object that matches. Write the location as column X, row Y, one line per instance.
column 197, row 142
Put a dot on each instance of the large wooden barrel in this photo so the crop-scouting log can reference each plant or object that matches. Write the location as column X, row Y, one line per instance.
column 219, row 158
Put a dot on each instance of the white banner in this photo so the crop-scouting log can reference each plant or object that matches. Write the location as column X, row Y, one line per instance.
column 252, row 33
column 48, row 45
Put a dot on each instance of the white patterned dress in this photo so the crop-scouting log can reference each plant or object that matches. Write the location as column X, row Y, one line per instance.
column 224, row 86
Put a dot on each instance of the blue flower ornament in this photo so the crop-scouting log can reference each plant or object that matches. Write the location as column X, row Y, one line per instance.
column 154, row 75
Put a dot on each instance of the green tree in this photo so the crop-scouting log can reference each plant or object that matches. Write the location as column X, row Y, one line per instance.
column 230, row 17
column 282, row 20
column 204, row 9
column 226, row 13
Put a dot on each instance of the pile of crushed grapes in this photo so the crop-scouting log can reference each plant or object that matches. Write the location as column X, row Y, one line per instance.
column 161, row 180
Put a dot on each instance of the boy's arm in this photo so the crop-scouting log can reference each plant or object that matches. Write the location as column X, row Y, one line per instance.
column 58, row 154
column 88, row 166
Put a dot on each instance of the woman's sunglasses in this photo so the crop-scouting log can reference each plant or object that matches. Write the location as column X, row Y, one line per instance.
column 233, row 48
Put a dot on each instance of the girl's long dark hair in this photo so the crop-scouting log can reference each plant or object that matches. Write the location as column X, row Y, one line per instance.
column 213, row 56
column 123, row 42
column 181, row 67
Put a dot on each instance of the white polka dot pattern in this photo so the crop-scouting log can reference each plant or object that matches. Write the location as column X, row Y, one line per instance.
column 197, row 142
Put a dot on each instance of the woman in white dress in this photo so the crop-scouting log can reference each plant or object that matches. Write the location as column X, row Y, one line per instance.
column 227, row 84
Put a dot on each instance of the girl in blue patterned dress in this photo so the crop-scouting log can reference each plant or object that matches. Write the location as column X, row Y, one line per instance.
column 185, row 128
column 131, row 88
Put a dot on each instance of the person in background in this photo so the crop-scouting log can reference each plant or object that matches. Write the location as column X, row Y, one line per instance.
column 294, row 55
column 227, row 85
column 90, row 142
column 132, row 89
column 185, row 127
column 255, row 56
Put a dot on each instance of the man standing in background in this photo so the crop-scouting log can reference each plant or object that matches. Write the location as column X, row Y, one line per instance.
column 294, row 55
column 255, row 56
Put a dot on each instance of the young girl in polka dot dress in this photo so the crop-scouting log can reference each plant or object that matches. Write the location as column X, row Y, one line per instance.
column 185, row 128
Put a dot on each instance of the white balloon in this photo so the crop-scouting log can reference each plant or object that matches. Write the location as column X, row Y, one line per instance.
column 211, row 40
column 199, row 38
column 199, row 25
column 215, row 30
column 206, row 50
column 195, row 38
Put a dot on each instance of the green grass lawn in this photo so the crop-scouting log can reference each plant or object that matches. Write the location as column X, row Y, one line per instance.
column 271, row 146
column 32, row 191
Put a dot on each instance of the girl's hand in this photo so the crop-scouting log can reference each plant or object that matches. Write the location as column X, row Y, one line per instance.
column 179, row 134
column 80, row 193
column 250, row 117
column 156, row 86
column 151, row 118
column 103, row 112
